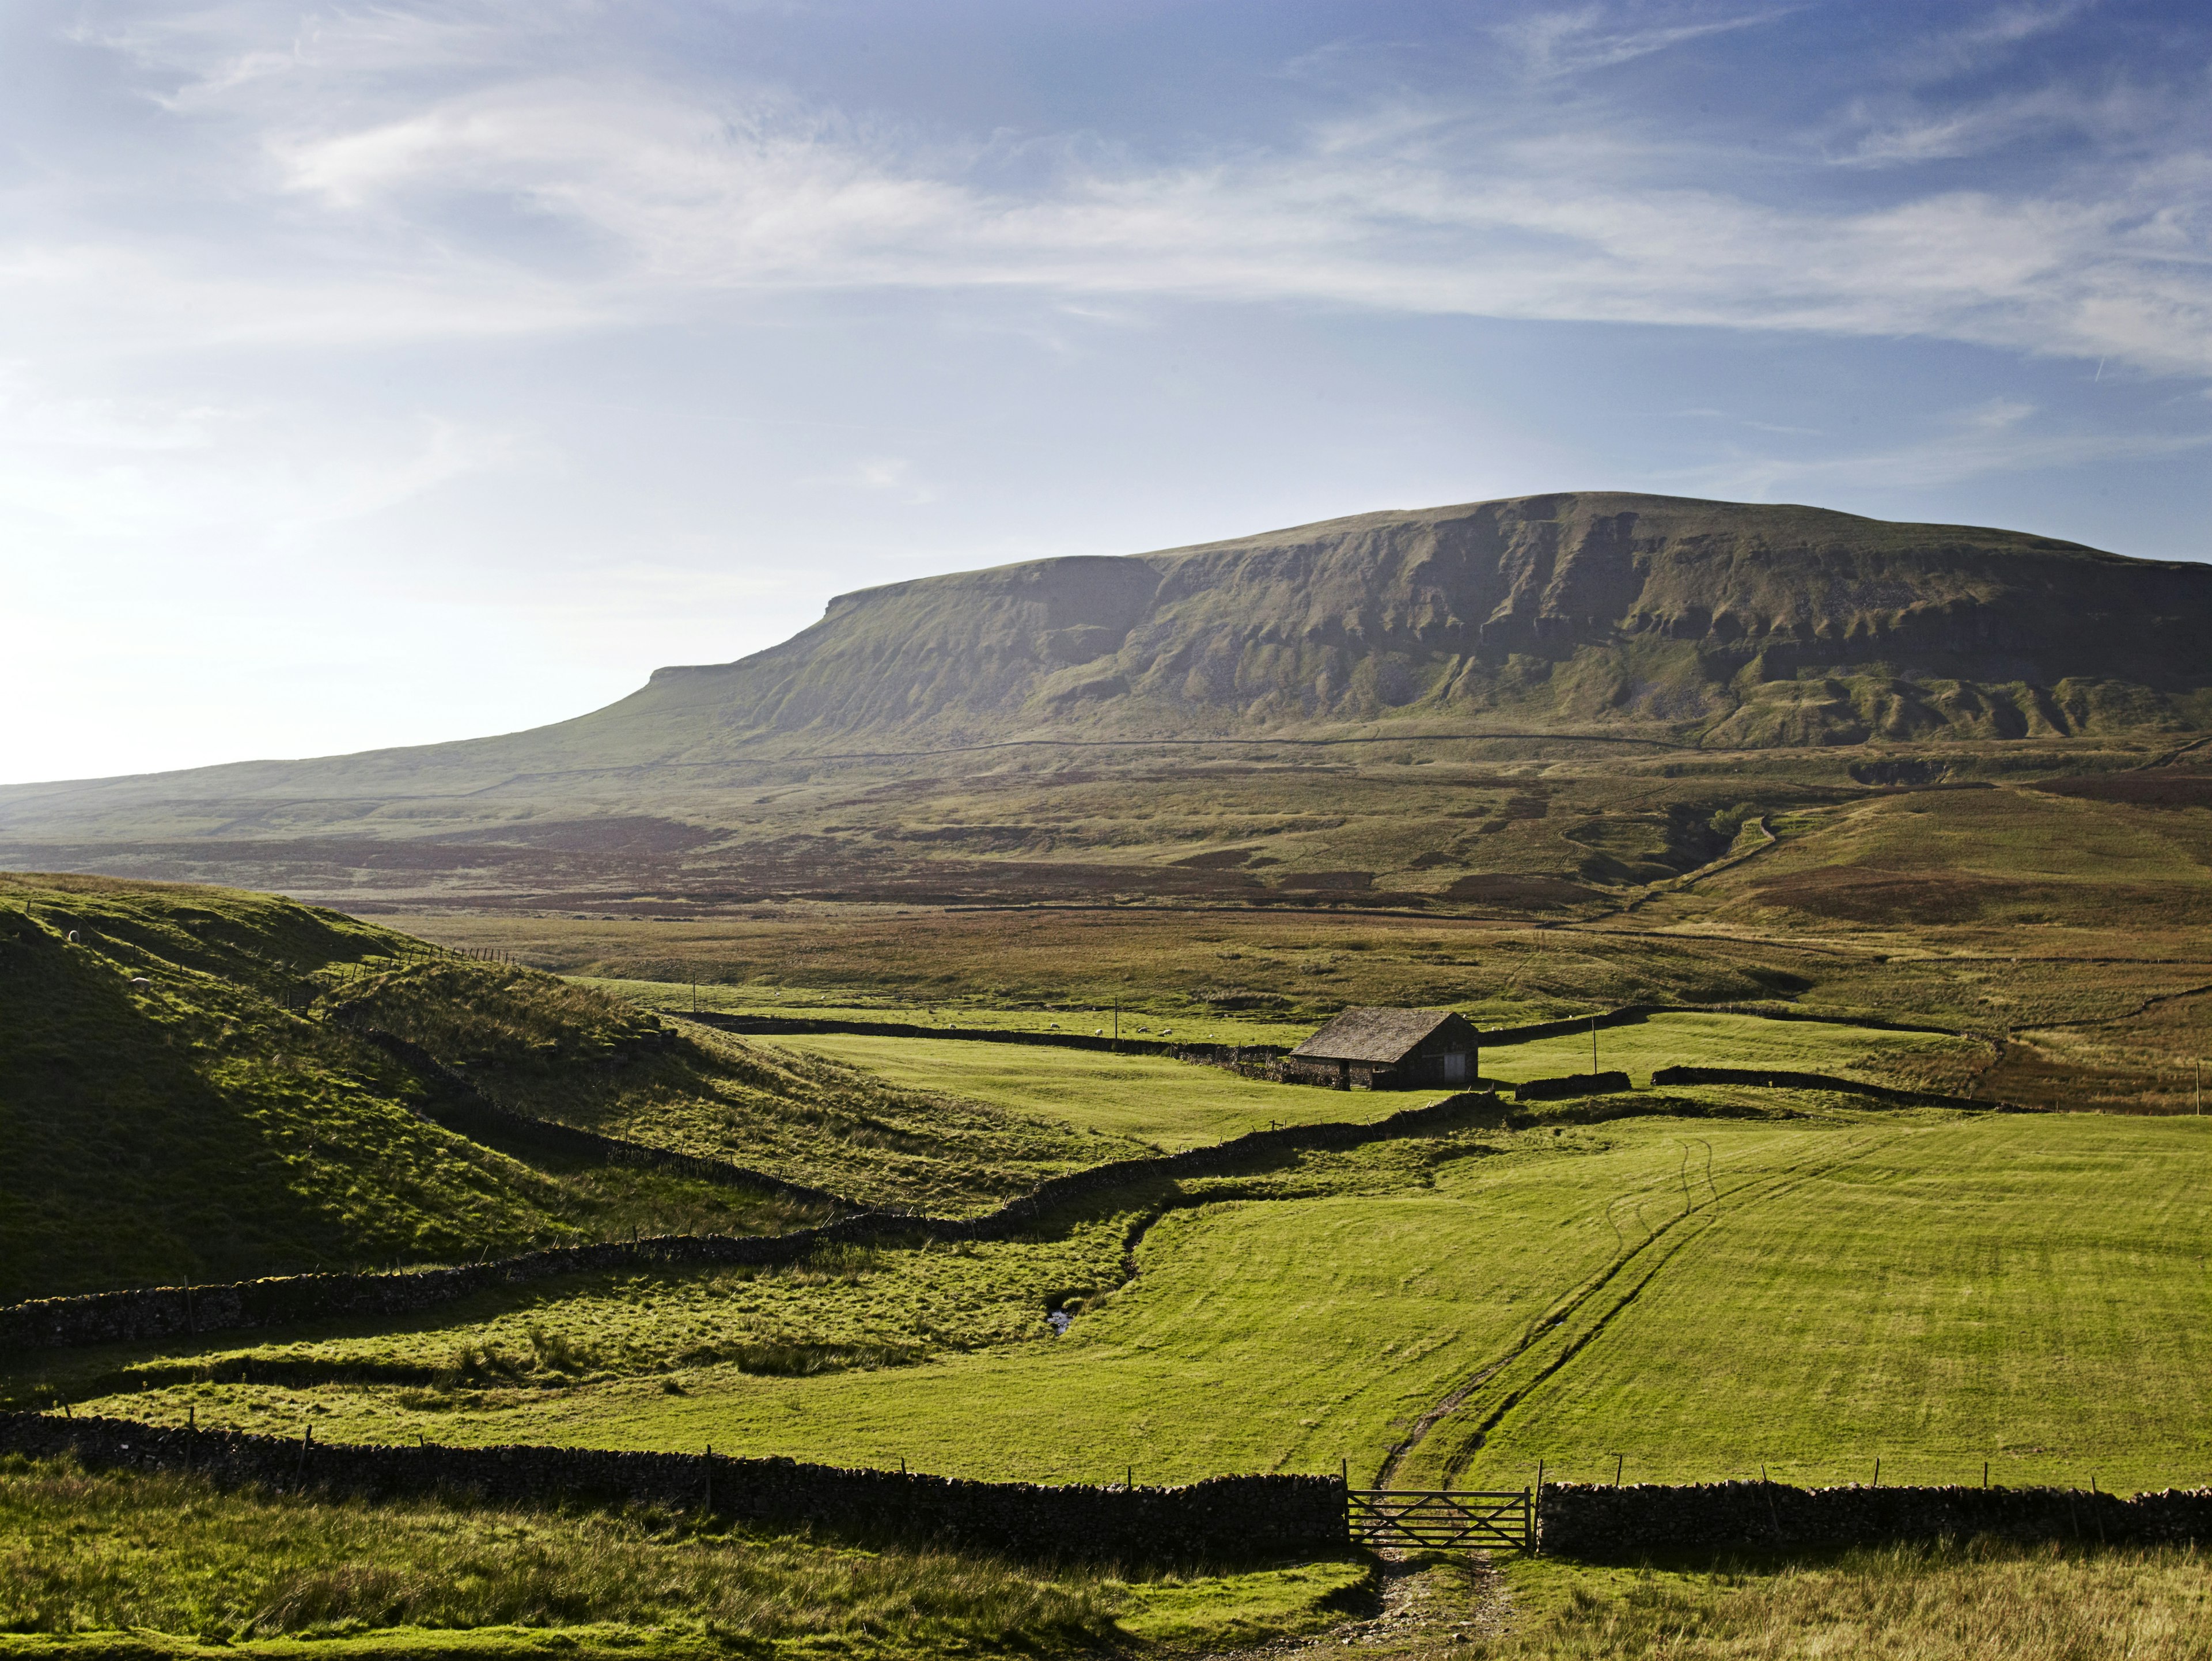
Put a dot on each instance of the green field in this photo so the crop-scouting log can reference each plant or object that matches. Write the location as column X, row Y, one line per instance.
column 2031, row 1291
column 1721, row 1040
column 1169, row 1104
column 1933, row 1289
column 754, row 998
column 1174, row 1105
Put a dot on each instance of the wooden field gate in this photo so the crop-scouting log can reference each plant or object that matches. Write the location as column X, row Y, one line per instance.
column 1440, row 1518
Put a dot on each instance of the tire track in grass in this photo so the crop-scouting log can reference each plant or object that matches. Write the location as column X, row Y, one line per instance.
column 1642, row 1255
column 1538, row 1331
column 1709, row 1217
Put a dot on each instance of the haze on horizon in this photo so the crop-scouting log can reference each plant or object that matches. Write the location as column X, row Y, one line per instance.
column 389, row 374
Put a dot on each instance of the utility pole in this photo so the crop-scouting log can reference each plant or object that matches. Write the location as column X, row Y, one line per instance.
column 1593, row 1043
column 1117, row 1020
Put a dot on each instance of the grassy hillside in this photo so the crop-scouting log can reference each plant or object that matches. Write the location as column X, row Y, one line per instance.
column 527, row 1042
column 168, row 1117
column 185, row 1095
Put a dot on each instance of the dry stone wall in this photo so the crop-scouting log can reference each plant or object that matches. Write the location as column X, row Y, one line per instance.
column 1610, row 1525
column 1225, row 1518
column 1774, row 1079
column 1570, row 1084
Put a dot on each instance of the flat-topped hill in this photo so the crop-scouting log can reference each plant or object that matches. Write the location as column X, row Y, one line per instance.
column 1463, row 635
column 1744, row 626
column 1730, row 624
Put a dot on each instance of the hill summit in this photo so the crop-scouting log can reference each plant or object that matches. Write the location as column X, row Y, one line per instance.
column 1741, row 626
column 1717, row 625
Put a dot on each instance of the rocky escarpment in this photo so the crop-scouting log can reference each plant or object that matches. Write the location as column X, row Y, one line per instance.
column 1742, row 625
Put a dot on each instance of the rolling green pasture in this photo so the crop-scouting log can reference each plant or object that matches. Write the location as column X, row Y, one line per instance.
column 1722, row 1040
column 1172, row 1104
column 2032, row 1292
column 1700, row 1294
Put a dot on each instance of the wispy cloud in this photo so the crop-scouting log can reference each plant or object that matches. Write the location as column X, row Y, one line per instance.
column 471, row 198
column 672, row 199
column 1995, row 436
column 1558, row 42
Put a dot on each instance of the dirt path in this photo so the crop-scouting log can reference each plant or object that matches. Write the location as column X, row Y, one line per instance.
column 1426, row 1604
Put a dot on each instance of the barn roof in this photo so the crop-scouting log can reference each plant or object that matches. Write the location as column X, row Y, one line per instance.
column 1374, row 1035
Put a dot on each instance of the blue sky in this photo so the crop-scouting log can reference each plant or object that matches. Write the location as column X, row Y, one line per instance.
column 382, row 374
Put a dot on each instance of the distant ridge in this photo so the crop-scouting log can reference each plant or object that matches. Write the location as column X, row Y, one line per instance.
column 1737, row 625
column 1719, row 625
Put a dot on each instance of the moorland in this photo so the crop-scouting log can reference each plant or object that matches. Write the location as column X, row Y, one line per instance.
column 1911, row 808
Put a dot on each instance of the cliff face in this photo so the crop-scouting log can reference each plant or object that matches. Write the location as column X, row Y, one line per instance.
column 1746, row 624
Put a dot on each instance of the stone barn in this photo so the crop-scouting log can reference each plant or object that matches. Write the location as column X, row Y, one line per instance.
column 1387, row 1049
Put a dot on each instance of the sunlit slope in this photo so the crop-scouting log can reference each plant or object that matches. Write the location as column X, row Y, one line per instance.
column 165, row 1118
column 1994, row 856
column 1728, row 624
column 185, row 1094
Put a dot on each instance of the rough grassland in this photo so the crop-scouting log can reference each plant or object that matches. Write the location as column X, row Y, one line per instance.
column 180, row 1564
column 1965, row 1602
column 2015, row 856
column 2052, row 922
column 844, row 1306
column 1168, row 968
column 1171, row 1105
